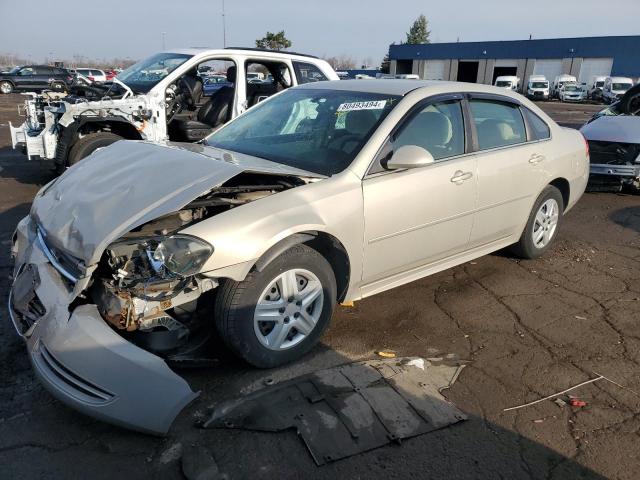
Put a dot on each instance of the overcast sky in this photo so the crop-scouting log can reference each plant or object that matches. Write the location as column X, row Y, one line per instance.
column 359, row 28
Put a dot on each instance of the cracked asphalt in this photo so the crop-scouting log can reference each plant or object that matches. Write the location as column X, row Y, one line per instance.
column 528, row 329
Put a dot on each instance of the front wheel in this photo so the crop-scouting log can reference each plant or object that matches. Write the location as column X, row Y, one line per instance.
column 542, row 225
column 6, row 87
column 86, row 145
column 58, row 87
column 278, row 314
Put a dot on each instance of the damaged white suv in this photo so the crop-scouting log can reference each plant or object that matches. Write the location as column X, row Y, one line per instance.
column 327, row 192
column 163, row 97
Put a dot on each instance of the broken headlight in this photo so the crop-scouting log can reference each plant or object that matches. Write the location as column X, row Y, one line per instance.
column 179, row 255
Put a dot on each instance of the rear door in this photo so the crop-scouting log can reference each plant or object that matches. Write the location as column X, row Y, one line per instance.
column 43, row 77
column 418, row 216
column 512, row 162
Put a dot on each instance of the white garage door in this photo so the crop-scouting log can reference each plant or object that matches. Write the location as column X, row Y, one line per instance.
column 506, row 63
column 549, row 68
column 434, row 70
column 594, row 67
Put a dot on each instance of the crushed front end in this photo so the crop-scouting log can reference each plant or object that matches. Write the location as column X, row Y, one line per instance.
column 108, row 292
column 37, row 136
column 78, row 357
column 614, row 148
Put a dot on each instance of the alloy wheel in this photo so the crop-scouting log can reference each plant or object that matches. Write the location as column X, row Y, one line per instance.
column 545, row 223
column 288, row 310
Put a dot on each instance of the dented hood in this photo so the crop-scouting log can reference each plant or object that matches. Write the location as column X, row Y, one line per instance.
column 129, row 183
column 618, row 128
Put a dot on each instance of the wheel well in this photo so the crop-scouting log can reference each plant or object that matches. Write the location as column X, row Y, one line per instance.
column 332, row 249
column 563, row 185
column 8, row 81
column 124, row 129
column 326, row 245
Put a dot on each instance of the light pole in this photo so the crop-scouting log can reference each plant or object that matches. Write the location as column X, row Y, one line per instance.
column 224, row 27
column 164, row 47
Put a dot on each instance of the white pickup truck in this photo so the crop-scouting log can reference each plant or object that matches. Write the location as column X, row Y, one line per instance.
column 159, row 98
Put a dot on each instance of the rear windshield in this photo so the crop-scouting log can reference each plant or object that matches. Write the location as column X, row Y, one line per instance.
column 317, row 130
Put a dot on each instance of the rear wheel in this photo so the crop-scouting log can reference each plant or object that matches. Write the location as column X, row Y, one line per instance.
column 278, row 314
column 542, row 225
column 86, row 145
column 6, row 87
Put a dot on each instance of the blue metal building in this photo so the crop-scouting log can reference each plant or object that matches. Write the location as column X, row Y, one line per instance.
column 482, row 62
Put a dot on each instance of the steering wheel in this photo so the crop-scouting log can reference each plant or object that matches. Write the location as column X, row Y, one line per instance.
column 172, row 101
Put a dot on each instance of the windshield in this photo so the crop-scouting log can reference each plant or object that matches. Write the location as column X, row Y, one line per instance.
column 313, row 129
column 503, row 83
column 571, row 88
column 144, row 75
column 621, row 87
column 539, row 85
column 599, row 84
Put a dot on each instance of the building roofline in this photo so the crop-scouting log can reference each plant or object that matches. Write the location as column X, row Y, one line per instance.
column 601, row 37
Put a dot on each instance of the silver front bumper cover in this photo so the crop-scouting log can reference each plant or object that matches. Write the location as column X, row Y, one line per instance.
column 84, row 363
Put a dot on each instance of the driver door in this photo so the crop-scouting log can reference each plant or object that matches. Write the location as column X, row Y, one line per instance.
column 418, row 216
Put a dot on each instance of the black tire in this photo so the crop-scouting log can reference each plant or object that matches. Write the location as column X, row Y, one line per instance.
column 236, row 302
column 6, row 87
column 86, row 145
column 58, row 87
column 525, row 248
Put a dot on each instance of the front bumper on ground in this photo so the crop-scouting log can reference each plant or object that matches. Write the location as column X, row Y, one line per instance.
column 82, row 361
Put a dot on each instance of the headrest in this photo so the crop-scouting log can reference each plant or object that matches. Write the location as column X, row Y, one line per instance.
column 359, row 122
column 428, row 129
column 231, row 74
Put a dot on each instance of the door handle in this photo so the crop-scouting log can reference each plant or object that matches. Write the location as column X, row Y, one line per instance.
column 536, row 158
column 460, row 177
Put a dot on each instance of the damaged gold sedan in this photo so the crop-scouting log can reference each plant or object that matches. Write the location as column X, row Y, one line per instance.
column 327, row 192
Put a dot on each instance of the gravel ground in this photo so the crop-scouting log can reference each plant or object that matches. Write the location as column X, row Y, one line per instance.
column 528, row 328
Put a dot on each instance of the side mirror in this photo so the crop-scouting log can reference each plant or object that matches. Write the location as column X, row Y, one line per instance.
column 409, row 156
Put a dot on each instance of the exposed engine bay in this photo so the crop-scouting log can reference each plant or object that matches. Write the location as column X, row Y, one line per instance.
column 615, row 165
column 614, row 145
column 148, row 283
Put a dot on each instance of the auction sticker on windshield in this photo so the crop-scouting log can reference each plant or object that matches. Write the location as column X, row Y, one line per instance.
column 371, row 105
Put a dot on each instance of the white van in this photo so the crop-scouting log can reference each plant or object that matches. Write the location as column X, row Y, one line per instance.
column 614, row 88
column 561, row 80
column 594, row 89
column 538, row 87
column 509, row 82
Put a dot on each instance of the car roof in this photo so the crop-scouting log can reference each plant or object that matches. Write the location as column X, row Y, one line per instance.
column 402, row 87
column 231, row 50
column 621, row 79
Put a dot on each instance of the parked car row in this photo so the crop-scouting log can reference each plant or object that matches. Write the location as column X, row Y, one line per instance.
column 41, row 77
column 566, row 88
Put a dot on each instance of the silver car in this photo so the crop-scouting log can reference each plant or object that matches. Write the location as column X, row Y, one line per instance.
column 328, row 192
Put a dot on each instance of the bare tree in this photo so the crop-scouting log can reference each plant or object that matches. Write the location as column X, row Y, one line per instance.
column 341, row 62
column 367, row 62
